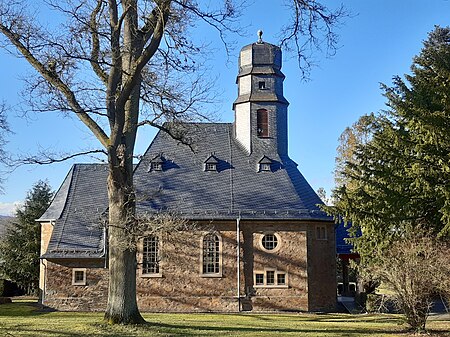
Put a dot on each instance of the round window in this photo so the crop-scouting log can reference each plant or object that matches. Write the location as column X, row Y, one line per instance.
column 270, row 241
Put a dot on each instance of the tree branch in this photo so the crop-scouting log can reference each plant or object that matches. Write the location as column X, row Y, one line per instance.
column 172, row 132
column 46, row 158
column 146, row 55
column 96, row 43
column 50, row 75
column 116, row 60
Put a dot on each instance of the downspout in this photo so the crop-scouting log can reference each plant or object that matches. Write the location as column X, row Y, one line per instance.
column 44, row 285
column 105, row 247
column 238, row 260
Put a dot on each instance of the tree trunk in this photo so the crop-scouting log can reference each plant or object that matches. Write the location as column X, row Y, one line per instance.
column 122, row 305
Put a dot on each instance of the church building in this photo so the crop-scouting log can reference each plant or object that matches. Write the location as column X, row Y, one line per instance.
column 260, row 242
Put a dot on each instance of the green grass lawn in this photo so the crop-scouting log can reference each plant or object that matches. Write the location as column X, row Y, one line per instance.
column 25, row 319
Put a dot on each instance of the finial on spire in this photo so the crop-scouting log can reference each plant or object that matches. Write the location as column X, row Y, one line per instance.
column 260, row 33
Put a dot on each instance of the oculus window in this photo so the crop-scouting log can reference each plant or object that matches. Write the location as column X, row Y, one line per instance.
column 269, row 241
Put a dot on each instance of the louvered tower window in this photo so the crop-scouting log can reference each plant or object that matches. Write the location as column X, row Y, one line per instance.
column 262, row 123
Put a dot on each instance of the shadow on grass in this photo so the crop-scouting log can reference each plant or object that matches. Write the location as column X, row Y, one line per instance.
column 55, row 333
column 21, row 309
column 176, row 330
column 204, row 325
column 324, row 317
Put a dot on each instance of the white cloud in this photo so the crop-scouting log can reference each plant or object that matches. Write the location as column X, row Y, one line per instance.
column 9, row 208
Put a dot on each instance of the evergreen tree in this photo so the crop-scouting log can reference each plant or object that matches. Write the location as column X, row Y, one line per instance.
column 399, row 178
column 20, row 249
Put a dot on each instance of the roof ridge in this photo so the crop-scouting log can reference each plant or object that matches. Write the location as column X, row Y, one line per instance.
column 90, row 164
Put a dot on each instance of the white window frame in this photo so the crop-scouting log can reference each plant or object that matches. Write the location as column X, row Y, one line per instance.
column 203, row 274
column 141, row 258
column 210, row 167
column 275, row 284
column 265, row 167
column 156, row 166
column 276, row 249
column 74, row 281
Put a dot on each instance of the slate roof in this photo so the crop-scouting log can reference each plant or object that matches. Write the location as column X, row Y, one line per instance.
column 78, row 209
column 236, row 189
column 342, row 246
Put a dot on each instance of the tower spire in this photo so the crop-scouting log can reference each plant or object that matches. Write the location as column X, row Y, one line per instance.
column 260, row 33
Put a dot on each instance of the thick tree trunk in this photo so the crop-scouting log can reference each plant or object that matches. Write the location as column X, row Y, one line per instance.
column 122, row 305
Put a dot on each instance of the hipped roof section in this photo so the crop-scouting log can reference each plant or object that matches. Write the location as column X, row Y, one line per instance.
column 236, row 191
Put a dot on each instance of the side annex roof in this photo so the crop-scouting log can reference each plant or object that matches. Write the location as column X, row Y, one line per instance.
column 78, row 213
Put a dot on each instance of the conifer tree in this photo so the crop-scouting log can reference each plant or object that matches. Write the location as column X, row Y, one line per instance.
column 399, row 179
column 20, row 249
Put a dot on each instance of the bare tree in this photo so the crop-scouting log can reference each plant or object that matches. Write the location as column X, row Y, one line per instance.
column 4, row 128
column 349, row 141
column 415, row 268
column 117, row 65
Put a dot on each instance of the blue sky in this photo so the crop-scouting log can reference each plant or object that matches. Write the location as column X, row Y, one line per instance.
column 376, row 43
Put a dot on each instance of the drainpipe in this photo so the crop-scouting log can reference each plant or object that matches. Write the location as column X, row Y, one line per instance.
column 238, row 261
column 44, row 285
column 105, row 247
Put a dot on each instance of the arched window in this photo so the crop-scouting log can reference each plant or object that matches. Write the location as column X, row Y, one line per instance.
column 150, row 255
column 262, row 123
column 211, row 258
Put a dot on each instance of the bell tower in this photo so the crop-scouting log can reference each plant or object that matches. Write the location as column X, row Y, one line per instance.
column 261, row 110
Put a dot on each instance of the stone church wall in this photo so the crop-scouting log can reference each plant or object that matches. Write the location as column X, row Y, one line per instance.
column 181, row 287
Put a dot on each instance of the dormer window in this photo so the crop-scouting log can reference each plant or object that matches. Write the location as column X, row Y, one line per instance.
column 156, row 164
column 265, row 164
column 262, row 85
column 210, row 164
column 265, row 167
column 210, row 167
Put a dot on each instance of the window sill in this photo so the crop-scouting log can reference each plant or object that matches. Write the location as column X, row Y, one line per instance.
column 283, row 286
column 211, row 275
column 79, row 284
column 152, row 275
